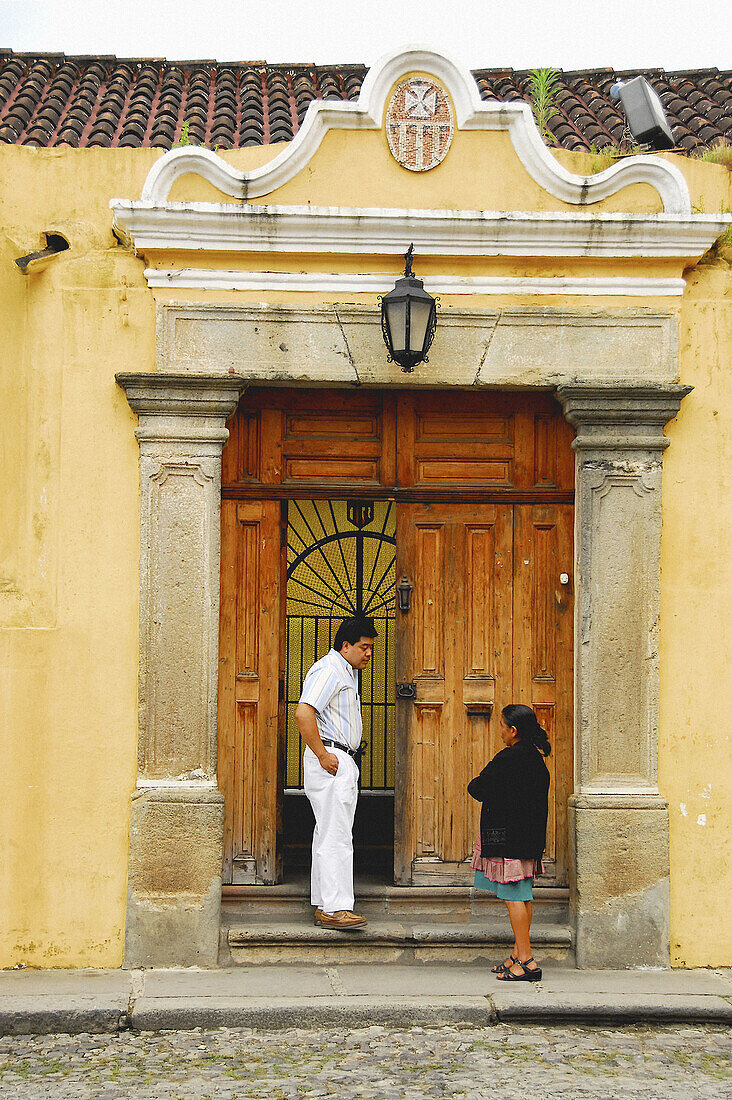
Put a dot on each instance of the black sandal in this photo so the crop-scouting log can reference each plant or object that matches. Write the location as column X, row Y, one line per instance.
column 527, row 976
column 499, row 969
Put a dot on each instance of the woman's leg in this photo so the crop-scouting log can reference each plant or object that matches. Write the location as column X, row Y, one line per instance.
column 506, row 962
column 520, row 914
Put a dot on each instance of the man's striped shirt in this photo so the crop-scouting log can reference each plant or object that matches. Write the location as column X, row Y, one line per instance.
column 331, row 689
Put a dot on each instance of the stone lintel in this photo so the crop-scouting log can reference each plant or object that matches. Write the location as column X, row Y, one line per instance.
column 341, row 344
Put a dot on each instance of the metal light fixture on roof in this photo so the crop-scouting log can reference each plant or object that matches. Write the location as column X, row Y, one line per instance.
column 408, row 319
column 644, row 112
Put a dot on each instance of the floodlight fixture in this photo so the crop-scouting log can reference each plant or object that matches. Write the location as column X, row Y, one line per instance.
column 644, row 112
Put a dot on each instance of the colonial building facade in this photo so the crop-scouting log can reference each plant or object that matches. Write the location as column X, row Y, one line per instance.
column 509, row 512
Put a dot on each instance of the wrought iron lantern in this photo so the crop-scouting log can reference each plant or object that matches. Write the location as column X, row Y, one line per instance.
column 408, row 319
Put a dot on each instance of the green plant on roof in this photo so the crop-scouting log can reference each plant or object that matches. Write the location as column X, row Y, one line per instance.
column 602, row 156
column 185, row 137
column 721, row 153
column 543, row 88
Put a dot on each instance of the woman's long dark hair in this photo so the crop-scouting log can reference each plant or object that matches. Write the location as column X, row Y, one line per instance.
column 525, row 722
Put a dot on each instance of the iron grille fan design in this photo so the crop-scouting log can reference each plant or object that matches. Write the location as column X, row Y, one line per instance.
column 341, row 561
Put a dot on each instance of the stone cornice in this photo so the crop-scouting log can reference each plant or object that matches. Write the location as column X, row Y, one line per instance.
column 224, row 227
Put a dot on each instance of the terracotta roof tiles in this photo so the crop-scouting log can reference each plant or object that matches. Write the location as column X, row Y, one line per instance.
column 51, row 100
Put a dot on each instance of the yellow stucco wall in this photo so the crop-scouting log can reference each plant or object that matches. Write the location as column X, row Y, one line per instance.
column 69, row 554
column 69, row 565
column 696, row 593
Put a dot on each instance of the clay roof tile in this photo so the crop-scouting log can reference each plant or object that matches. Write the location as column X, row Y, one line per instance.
column 53, row 99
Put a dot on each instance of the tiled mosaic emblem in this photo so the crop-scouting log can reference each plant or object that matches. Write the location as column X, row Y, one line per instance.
column 419, row 124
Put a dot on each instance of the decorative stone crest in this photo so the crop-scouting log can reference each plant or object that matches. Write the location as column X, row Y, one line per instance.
column 419, row 124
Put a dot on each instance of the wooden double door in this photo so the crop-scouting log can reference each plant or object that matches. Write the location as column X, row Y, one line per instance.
column 482, row 486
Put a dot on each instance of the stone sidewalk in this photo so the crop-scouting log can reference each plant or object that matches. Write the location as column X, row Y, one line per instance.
column 272, row 997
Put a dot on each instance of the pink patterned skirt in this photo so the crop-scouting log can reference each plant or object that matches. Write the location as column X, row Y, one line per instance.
column 505, row 870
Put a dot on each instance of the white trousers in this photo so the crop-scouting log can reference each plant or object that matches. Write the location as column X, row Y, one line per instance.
column 333, row 799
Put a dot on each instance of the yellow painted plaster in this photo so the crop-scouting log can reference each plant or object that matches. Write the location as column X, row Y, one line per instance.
column 69, row 542
column 356, row 169
column 70, row 558
column 695, row 746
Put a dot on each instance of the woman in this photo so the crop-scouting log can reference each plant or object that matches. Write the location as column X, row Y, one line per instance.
column 514, row 788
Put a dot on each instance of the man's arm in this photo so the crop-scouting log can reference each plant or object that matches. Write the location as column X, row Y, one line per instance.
column 308, row 726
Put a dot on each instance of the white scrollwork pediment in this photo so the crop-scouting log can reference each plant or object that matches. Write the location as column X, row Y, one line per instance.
column 367, row 113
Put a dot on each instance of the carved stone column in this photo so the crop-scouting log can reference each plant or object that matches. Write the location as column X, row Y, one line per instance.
column 618, row 819
column 176, row 824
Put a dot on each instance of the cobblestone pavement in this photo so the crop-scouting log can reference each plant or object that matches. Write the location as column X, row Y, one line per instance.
column 502, row 1062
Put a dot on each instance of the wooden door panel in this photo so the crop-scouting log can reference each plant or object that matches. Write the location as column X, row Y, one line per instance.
column 427, row 797
column 428, row 609
column 467, row 441
column 543, row 661
column 455, row 645
column 487, row 647
column 251, row 632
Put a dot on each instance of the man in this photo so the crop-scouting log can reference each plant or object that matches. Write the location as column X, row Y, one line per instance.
column 328, row 716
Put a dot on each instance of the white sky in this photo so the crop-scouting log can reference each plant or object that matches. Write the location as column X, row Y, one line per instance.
column 519, row 34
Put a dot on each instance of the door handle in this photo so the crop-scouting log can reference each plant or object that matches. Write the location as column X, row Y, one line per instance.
column 406, row 689
column 404, row 593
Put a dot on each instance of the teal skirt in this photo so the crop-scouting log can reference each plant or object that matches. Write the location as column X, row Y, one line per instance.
column 523, row 890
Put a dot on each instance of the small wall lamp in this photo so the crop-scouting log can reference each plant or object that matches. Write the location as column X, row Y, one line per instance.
column 34, row 261
column 408, row 319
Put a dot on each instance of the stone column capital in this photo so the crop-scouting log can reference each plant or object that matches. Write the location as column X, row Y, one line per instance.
column 621, row 417
column 182, row 394
column 182, row 408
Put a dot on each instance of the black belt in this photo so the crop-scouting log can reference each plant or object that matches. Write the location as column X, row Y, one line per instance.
column 355, row 753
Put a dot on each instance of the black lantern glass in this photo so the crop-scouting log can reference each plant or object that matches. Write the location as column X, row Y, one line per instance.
column 408, row 319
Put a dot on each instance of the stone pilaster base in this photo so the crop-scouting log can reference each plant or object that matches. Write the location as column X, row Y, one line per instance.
column 174, row 889
column 620, row 893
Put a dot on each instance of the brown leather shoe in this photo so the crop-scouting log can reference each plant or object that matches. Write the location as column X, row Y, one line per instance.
column 343, row 919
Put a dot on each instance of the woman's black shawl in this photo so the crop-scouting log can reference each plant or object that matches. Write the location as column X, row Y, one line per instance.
column 514, row 790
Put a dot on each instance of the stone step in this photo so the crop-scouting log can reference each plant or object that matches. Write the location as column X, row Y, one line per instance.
column 292, row 902
column 261, row 941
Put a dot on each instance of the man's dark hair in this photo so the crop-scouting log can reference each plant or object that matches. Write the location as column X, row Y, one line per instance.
column 352, row 630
